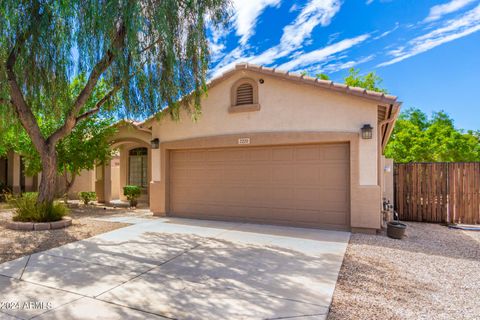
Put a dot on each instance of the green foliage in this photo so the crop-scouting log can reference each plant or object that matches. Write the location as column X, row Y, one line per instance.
column 132, row 192
column 158, row 49
column 418, row 138
column 87, row 143
column 370, row 81
column 87, row 196
column 27, row 209
column 147, row 53
column 322, row 76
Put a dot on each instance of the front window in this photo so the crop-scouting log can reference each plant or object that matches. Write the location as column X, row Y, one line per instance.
column 138, row 162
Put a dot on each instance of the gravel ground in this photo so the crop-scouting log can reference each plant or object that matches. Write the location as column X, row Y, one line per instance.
column 15, row 244
column 433, row 273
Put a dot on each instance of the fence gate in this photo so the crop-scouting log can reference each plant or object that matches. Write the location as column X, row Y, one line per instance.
column 438, row 192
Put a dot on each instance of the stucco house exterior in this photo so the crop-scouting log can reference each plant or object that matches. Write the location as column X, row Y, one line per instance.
column 269, row 147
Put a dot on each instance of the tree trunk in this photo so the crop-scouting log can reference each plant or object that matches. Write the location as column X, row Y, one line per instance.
column 46, row 193
column 68, row 184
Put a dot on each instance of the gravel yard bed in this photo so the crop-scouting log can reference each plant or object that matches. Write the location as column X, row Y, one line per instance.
column 433, row 273
column 15, row 244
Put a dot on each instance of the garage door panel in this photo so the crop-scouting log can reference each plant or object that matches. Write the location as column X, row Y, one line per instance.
column 282, row 154
column 307, row 174
column 302, row 185
column 258, row 174
column 259, row 154
column 197, row 156
column 283, row 173
column 235, row 174
column 307, row 153
column 335, row 152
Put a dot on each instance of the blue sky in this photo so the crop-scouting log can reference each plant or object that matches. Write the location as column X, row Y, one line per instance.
column 427, row 52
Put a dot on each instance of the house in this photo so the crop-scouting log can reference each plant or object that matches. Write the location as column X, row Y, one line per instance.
column 269, row 147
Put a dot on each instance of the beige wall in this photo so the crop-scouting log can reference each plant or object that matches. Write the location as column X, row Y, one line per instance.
column 14, row 171
column 387, row 185
column 285, row 106
column 84, row 182
column 115, row 177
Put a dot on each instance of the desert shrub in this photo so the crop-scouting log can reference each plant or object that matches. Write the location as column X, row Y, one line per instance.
column 87, row 196
column 27, row 209
column 132, row 193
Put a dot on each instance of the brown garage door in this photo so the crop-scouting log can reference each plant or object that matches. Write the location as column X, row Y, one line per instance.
column 301, row 185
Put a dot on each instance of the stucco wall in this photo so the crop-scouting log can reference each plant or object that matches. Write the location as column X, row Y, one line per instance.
column 285, row 106
column 387, row 187
column 84, row 182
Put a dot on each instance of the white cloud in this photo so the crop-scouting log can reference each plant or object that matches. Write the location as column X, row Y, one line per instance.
column 216, row 50
column 246, row 16
column 438, row 11
column 341, row 65
column 322, row 54
column 449, row 31
column 299, row 31
column 315, row 12
column 386, row 33
column 244, row 19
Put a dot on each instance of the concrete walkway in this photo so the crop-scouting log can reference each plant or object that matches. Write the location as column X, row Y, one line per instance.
column 180, row 269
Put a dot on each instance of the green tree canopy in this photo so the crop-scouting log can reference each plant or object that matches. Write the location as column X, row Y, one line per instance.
column 87, row 144
column 419, row 138
column 369, row 81
column 148, row 52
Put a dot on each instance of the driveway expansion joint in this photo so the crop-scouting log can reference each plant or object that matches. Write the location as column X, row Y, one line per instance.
column 25, row 267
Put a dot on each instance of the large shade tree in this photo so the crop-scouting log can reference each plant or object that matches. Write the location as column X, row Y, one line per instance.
column 150, row 52
column 419, row 138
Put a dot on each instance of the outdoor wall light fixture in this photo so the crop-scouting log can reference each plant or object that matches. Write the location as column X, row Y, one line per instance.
column 261, row 81
column 155, row 143
column 367, row 131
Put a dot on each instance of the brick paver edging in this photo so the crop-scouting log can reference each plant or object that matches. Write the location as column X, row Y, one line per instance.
column 37, row 226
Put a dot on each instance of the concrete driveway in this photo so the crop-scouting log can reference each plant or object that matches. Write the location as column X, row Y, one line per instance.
column 181, row 269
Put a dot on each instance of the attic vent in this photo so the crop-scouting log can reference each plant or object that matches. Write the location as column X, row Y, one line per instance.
column 244, row 94
column 382, row 113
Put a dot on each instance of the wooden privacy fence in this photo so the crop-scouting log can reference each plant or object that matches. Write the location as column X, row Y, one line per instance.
column 438, row 192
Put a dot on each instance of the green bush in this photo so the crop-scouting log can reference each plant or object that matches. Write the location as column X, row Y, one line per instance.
column 132, row 193
column 87, row 196
column 27, row 209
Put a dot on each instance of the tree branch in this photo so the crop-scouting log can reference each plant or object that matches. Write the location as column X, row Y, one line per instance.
column 102, row 101
column 23, row 111
column 98, row 105
column 87, row 91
